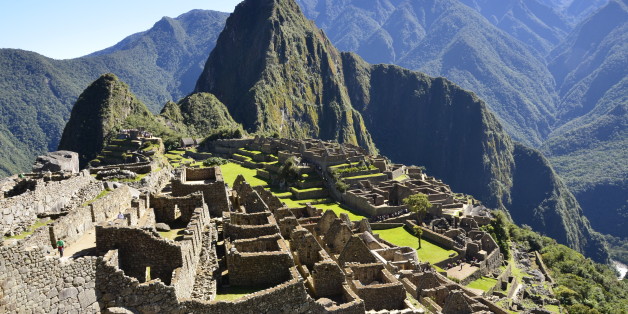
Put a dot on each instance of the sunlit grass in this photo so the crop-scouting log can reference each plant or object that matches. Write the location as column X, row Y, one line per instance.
column 39, row 223
column 234, row 293
column 483, row 283
column 429, row 252
column 231, row 171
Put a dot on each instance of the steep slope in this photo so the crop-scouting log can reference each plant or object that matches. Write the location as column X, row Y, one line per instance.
column 278, row 73
column 589, row 146
column 416, row 119
column 37, row 93
column 449, row 39
column 100, row 111
column 200, row 113
column 538, row 25
column 411, row 117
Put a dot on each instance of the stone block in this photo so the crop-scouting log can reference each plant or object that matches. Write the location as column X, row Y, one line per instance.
column 87, row 298
column 68, row 293
column 57, row 161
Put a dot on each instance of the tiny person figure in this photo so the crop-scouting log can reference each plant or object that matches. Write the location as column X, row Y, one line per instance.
column 461, row 264
column 120, row 215
column 60, row 245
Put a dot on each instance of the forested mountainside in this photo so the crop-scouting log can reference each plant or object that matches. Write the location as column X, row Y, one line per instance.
column 298, row 85
column 590, row 148
column 585, row 71
column 539, row 25
column 37, row 93
column 35, row 128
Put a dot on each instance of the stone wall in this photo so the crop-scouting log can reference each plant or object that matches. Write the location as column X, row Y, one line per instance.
column 258, row 269
column 139, row 249
column 19, row 212
column 215, row 194
column 164, row 207
column 377, row 287
column 138, row 167
column 32, row 282
column 154, row 182
column 363, row 206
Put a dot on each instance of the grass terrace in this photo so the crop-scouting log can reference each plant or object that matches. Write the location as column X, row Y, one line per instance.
column 39, row 223
column 102, row 194
column 365, row 176
column 429, row 251
column 175, row 234
column 402, row 177
column 234, row 293
column 231, row 171
column 483, row 283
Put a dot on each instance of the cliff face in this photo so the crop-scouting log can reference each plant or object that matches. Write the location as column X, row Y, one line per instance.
column 277, row 73
column 416, row 119
column 99, row 111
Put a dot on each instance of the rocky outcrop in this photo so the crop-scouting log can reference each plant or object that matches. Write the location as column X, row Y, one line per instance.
column 300, row 78
column 62, row 160
column 99, row 112
column 278, row 73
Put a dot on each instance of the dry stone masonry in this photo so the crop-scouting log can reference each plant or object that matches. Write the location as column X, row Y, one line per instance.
column 214, row 238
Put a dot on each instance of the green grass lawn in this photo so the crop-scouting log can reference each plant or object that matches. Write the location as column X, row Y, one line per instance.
column 39, row 223
column 173, row 234
column 552, row 308
column 483, row 283
column 333, row 206
column 429, row 251
column 401, row 177
column 234, row 293
column 231, row 171
column 365, row 176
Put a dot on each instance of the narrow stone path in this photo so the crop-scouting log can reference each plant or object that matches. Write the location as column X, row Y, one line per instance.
column 205, row 285
column 84, row 245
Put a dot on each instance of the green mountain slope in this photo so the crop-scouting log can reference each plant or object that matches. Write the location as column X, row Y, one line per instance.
column 37, row 93
column 540, row 26
column 411, row 117
column 278, row 73
column 416, row 119
column 447, row 38
column 589, row 148
column 100, row 112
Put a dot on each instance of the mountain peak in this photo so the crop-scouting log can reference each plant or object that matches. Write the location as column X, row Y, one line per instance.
column 99, row 111
column 278, row 73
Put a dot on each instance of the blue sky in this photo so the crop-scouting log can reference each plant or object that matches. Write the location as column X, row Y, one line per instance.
column 73, row 28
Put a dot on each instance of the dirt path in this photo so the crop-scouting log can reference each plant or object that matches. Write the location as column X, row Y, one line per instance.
column 84, row 245
column 456, row 272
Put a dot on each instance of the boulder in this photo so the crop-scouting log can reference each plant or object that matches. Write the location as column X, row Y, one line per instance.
column 62, row 160
column 162, row 227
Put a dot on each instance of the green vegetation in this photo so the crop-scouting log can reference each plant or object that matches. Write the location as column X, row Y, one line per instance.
column 39, row 223
column 498, row 230
column 234, row 293
column 483, row 283
column 365, row 176
column 402, row 178
column 418, row 204
column 102, row 194
column 214, row 161
column 231, row 171
column 582, row 284
column 289, row 171
column 429, row 251
column 174, row 234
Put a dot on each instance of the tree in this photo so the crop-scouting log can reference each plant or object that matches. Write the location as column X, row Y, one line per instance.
column 289, row 171
column 418, row 232
column 418, row 204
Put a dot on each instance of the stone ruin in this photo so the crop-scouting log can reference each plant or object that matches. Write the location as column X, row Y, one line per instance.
column 300, row 260
column 59, row 161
